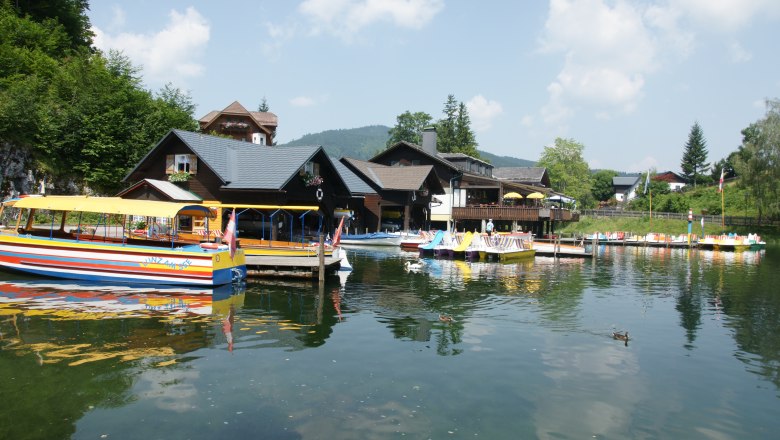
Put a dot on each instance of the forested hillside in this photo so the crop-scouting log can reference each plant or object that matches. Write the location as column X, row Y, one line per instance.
column 365, row 142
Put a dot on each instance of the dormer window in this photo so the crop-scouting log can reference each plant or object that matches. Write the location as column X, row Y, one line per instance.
column 181, row 163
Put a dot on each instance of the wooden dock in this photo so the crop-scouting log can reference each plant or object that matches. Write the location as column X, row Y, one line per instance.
column 289, row 267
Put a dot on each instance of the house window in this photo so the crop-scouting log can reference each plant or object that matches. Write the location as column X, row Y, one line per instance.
column 182, row 163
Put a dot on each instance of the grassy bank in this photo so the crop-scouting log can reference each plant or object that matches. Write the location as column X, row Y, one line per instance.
column 641, row 226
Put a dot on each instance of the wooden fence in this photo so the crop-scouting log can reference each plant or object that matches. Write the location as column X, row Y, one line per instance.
column 729, row 220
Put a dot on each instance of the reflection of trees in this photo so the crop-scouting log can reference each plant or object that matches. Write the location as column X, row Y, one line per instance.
column 747, row 293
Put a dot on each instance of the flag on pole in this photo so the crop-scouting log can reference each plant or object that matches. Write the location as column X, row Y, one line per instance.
column 647, row 181
column 337, row 234
column 230, row 234
column 720, row 184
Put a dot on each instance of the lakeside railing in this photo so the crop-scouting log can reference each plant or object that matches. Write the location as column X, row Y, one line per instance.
column 729, row 220
column 533, row 214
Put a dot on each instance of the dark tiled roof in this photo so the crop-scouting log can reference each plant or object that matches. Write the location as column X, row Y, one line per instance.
column 522, row 174
column 355, row 184
column 243, row 165
column 625, row 180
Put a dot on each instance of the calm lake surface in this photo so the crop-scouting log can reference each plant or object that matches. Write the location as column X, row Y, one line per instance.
column 529, row 352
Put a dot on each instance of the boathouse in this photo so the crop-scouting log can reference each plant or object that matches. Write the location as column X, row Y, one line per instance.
column 236, row 172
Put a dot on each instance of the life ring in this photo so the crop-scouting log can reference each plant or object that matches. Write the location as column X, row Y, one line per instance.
column 209, row 245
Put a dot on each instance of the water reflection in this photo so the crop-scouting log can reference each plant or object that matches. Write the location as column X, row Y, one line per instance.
column 376, row 355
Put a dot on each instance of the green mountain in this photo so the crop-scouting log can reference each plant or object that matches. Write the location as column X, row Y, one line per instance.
column 366, row 142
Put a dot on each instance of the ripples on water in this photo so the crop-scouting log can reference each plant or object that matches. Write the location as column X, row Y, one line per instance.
column 454, row 350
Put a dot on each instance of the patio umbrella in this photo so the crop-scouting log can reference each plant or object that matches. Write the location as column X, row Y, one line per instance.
column 535, row 195
column 512, row 195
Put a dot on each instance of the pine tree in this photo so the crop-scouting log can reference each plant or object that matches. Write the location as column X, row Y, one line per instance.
column 694, row 161
column 263, row 107
column 445, row 129
column 465, row 142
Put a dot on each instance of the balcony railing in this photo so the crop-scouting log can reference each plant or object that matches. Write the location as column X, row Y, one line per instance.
column 532, row 214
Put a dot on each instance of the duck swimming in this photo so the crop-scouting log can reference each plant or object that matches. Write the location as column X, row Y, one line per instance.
column 445, row 318
column 620, row 336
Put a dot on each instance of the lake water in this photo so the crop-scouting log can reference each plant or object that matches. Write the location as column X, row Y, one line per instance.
column 528, row 352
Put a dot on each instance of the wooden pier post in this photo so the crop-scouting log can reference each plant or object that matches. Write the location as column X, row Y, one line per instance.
column 321, row 254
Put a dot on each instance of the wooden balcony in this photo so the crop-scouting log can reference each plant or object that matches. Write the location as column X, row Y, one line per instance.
column 519, row 213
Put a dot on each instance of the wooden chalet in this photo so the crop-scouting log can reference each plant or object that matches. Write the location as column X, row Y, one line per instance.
column 241, row 124
column 232, row 172
column 472, row 194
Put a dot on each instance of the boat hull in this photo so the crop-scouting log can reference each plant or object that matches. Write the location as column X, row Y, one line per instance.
column 121, row 263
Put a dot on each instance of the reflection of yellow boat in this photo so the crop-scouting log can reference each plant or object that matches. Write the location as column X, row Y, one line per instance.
column 69, row 300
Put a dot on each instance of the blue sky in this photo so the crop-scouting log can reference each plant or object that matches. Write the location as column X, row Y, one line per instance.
column 627, row 79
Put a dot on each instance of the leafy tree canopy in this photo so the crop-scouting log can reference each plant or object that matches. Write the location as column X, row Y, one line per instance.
column 569, row 173
column 603, row 189
column 409, row 127
column 758, row 161
column 79, row 117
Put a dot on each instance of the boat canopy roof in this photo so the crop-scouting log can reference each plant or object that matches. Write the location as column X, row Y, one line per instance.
column 284, row 207
column 111, row 205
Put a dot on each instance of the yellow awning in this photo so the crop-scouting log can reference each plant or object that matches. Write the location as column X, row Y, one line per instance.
column 112, row 205
column 284, row 207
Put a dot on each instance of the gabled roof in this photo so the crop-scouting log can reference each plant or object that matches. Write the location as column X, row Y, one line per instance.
column 243, row 165
column 392, row 178
column 669, row 176
column 458, row 156
column 168, row 189
column 521, row 174
column 627, row 181
column 236, row 109
column 418, row 149
column 355, row 184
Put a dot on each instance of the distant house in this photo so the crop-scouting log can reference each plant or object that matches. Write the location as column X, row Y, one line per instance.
column 675, row 181
column 218, row 169
column 625, row 187
column 534, row 176
column 241, row 124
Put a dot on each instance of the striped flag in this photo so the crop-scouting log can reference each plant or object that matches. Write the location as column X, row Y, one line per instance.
column 720, row 185
column 230, row 234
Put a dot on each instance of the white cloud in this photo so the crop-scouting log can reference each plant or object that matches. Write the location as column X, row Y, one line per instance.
column 168, row 55
column 608, row 51
column 302, row 101
column 727, row 15
column 345, row 18
column 483, row 111
column 738, row 54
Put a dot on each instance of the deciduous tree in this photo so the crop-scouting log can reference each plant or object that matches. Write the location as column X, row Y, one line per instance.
column 409, row 127
column 758, row 161
column 569, row 173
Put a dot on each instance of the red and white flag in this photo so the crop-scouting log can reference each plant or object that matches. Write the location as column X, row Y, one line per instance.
column 337, row 234
column 720, row 185
column 229, row 236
